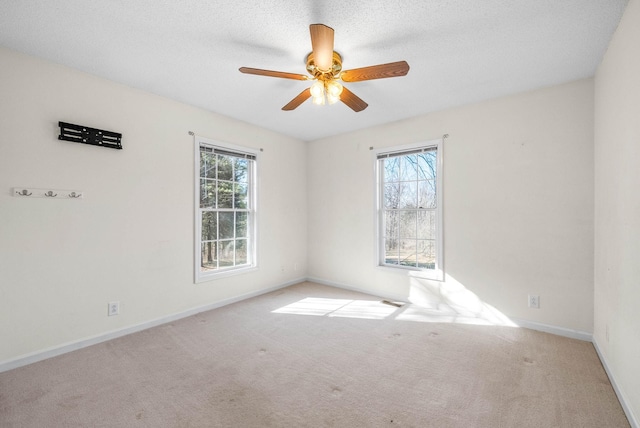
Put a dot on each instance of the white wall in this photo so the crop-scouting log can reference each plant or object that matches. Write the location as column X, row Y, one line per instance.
column 617, row 207
column 518, row 204
column 131, row 238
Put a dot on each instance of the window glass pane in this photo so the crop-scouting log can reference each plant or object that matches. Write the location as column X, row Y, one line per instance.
column 209, row 256
column 240, row 195
column 226, row 188
column 408, row 224
column 427, row 194
column 391, row 251
column 226, row 253
column 225, row 194
column 225, row 168
column 408, row 165
column 225, row 225
column 427, row 165
column 391, row 169
column 391, row 228
column 427, row 254
column 241, row 225
column 209, row 226
column 391, row 196
column 426, row 224
column 241, row 252
column 391, row 221
column 408, row 195
column 408, row 207
column 207, row 164
column 240, row 170
column 207, row 193
column 407, row 252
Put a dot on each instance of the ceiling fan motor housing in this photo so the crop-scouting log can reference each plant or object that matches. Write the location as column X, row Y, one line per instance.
column 332, row 73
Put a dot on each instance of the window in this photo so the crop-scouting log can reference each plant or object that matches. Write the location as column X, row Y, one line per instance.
column 409, row 207
column 225, row 209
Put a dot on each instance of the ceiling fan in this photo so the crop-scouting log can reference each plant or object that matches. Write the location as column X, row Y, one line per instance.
column 324, row 66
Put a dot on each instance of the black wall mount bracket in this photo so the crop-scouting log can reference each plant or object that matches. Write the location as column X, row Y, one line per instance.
column 85, row 135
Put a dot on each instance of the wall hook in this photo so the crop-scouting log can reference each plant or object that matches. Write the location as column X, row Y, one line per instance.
column 47, row 193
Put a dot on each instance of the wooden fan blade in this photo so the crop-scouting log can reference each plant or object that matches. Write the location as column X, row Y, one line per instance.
column 302, row 97
column 392, row 69
column 270, row 73
column 322, row 45
column 352, row 100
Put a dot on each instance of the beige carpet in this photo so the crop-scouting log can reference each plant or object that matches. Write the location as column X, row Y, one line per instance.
column 316, row 356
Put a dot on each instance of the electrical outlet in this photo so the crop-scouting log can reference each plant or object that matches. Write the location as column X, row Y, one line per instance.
column 534, row 301
column 113, row 308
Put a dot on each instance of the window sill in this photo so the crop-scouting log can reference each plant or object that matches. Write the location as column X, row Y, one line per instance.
column 224, row 274
column 434, row 275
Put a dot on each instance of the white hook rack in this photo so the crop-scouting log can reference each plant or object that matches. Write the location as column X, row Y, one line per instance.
column 27, row 192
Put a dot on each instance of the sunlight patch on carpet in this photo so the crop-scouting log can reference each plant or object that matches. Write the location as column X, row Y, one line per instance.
column 343, row 308
column 377, row 310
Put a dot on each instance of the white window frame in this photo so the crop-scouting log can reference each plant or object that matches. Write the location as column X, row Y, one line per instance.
column 438, row 272
column 252, row 232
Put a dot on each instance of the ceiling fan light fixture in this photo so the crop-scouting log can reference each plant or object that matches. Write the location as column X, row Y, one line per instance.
column 317, row 89
column 332, row 99
column 334, row 89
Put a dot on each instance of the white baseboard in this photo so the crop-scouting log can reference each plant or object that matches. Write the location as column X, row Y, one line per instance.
column 83, row 343
column 558, row 331
column 633, row 421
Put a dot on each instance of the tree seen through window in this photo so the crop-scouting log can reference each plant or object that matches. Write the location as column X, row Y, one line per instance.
column 409, row 205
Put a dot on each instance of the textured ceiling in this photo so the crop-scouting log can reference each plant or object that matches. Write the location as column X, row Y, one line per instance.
column 459, row 51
